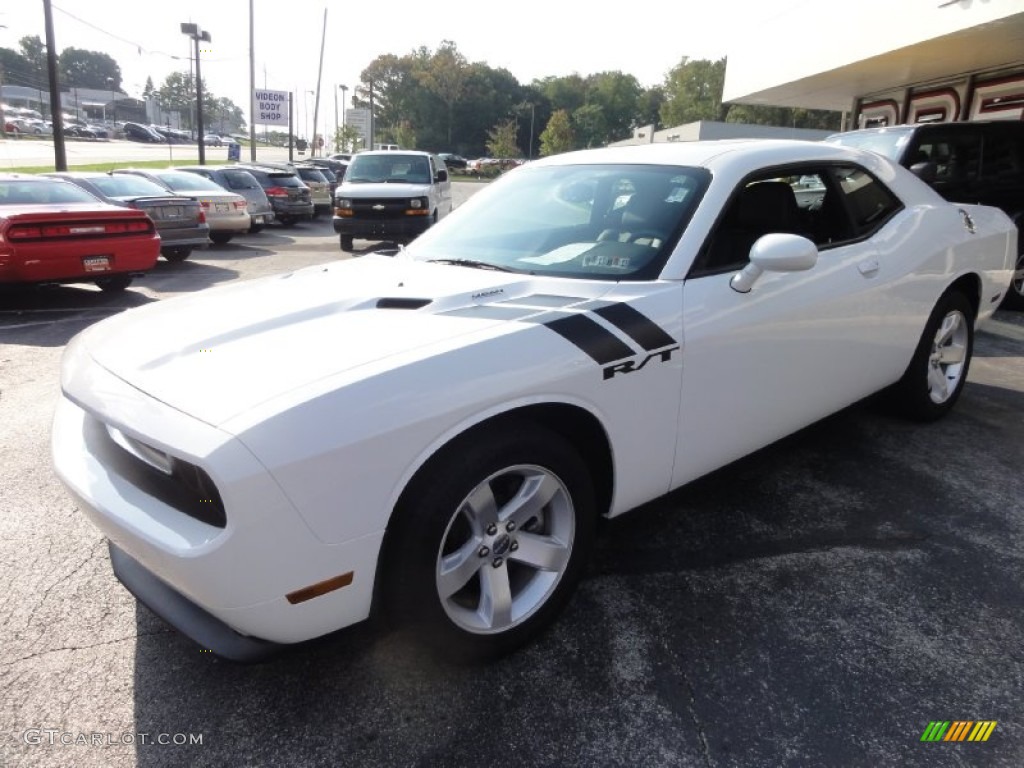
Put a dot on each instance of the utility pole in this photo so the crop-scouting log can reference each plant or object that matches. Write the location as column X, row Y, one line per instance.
column 319, row 77
column 60, row 158
column 252, row 86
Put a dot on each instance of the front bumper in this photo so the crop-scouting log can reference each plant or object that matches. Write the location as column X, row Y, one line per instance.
column 405, row 227
column 184, row 615
column 239, row 574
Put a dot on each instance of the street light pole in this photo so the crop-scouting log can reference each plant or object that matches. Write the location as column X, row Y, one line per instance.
column 197, row 34
column 113, row 103
column 344, row 98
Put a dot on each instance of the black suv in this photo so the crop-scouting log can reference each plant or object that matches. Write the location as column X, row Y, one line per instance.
column 979, row 162
column 287, row 193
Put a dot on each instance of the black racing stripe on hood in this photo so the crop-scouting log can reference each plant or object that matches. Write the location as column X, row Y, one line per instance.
column 598, row 342
column 636, row 325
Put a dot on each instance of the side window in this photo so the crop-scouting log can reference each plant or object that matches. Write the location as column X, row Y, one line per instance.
column 957, row 156
column 238, row 180
column 1003, row 158
column 869, row 203
column 799, row 202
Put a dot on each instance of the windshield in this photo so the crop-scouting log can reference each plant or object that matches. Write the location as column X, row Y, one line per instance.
column 123, row 185
column 604, row 222
column 884, row 142
column 393, row 167
column 40, row 191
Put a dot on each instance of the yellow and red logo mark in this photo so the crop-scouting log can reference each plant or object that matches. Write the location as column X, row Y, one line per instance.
column 958, row 730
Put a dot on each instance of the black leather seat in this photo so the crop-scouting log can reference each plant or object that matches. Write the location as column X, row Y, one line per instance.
column 761, row 208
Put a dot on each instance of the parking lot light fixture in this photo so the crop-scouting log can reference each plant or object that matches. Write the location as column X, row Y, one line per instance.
column 196, row 33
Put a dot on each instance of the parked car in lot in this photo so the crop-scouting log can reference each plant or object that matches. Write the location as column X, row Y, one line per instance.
column 336, row 167
column 287, row 193
column 391, row 195
column 80, row 131
column 319, row 189
column 52, row 231
column 453, row 162
column 226, row 212
column 980, row 162
column 434, row 436
column 172, row 135
column 139, row 132
column 239, row 181
column 180, row 221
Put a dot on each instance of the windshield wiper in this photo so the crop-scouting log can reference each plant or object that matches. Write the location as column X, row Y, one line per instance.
column 470, row 263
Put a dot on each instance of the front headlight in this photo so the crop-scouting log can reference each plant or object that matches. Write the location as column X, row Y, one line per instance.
column 418, row 202
column 343, row 202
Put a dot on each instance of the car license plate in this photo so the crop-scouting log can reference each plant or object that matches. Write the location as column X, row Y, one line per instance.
column 260, row 219
column 223, row 207
column 172, row 212
column 96, row 263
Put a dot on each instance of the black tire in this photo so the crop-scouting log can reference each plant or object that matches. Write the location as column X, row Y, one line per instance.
column 221, row 238
column 114, row 283
column 347, row 243
column 177, row 254
column 1014, row 298
column 286, row 221
column 434, row 527
column 256, row 229
column 916, row 395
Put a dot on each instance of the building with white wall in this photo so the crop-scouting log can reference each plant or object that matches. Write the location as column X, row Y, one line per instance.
column 887, row 61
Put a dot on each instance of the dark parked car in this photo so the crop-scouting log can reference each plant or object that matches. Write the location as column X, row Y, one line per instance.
column 456, row 162
column 287, row 193
column 76, row 131
column 179, row 220
column 172, row 136
column 980, row 162
column 139, row 132
column 337, row 167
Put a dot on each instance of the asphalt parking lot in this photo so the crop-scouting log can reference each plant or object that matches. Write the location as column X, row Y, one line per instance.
column 816, row 604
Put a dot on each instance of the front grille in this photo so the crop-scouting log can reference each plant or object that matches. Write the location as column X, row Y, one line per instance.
column 380, row 208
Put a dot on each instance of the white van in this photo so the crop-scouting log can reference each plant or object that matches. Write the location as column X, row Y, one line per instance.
column 391, row 195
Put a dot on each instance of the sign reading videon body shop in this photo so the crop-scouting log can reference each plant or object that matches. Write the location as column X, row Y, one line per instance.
column 271, row 108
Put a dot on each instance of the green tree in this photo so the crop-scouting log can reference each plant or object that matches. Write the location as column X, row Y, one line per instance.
column 618, row 97
column 177, row 94
column 501, row 141
column 88, row 69
column 568, row 93
column 589, row 127
column 149, row 91
column 557, row 135
column 445, row 77
column 693, row 91
column 345, row 138
column 649, row 107
column 16, row 69
column 33, row 50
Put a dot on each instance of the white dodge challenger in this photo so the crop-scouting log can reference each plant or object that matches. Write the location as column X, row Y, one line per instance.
column 435, row 434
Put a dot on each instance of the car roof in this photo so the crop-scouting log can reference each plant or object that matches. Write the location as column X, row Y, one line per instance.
column 392, row 152
column 718, row 154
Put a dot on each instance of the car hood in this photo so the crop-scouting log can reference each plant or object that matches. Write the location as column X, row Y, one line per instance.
column 221, row 352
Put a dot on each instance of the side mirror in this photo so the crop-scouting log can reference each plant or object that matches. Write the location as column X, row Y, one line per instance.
column 442, row 175
column 775, row 253
column 926, row 171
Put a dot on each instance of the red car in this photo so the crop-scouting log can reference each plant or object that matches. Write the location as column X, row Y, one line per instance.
column 52, row 231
